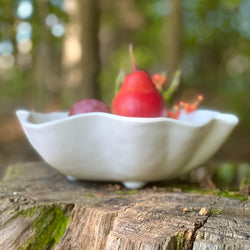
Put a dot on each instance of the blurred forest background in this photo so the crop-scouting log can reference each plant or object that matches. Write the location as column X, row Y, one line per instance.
column 56, row 52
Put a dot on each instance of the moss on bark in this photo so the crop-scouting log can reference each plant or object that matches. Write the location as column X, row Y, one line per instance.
column 49, row 226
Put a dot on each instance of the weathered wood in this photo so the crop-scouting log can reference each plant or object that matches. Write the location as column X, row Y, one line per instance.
column 41, row 209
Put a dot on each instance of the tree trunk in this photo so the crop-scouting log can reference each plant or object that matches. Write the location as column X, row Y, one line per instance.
column 41, row 209
column 81, row 60
column 173, row 37
column 90, row 62
column 46, row 62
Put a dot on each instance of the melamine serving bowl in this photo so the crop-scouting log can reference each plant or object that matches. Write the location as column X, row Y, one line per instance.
column 134, row 151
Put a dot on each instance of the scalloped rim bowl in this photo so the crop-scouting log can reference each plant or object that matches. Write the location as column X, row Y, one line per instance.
column 134, row 151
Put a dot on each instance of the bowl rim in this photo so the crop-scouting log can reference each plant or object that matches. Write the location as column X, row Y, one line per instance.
column 24, row 116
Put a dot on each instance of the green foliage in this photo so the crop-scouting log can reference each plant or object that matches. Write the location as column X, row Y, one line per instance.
column 225, row 174
column 7, row 19
column 246, row 182
column 216, row 211
column 122, row 192
column 40, row 29
column 232, row 194
column 227, row 193
column 180, row 239
column 15, row 84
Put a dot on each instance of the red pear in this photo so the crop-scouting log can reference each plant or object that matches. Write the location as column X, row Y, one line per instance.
column 138, row 96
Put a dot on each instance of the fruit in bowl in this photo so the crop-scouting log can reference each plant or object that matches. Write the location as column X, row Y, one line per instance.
column 89, row 105
column 138, row 96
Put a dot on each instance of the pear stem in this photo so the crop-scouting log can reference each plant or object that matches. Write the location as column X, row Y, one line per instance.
column 132, row 57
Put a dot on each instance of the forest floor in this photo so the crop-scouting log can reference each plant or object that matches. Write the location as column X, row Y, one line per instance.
column 14, row 147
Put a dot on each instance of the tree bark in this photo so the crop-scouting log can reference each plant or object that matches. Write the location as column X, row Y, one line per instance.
column 173, row 36
column 81, row 60
column 90, row 61
column 41, row 209
column 45, row 71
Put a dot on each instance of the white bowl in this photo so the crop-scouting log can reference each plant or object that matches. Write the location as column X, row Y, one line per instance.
column 134, row 151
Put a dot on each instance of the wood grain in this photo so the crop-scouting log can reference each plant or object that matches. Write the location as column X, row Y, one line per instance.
column 41, row 209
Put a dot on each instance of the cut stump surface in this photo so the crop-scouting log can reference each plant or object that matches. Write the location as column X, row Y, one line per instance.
column 41, row 209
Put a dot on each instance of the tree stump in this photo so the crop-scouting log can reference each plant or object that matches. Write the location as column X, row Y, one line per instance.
column 41, row 209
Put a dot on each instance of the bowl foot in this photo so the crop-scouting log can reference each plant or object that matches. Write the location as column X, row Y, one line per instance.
column 133, row 184
column 71, row 178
